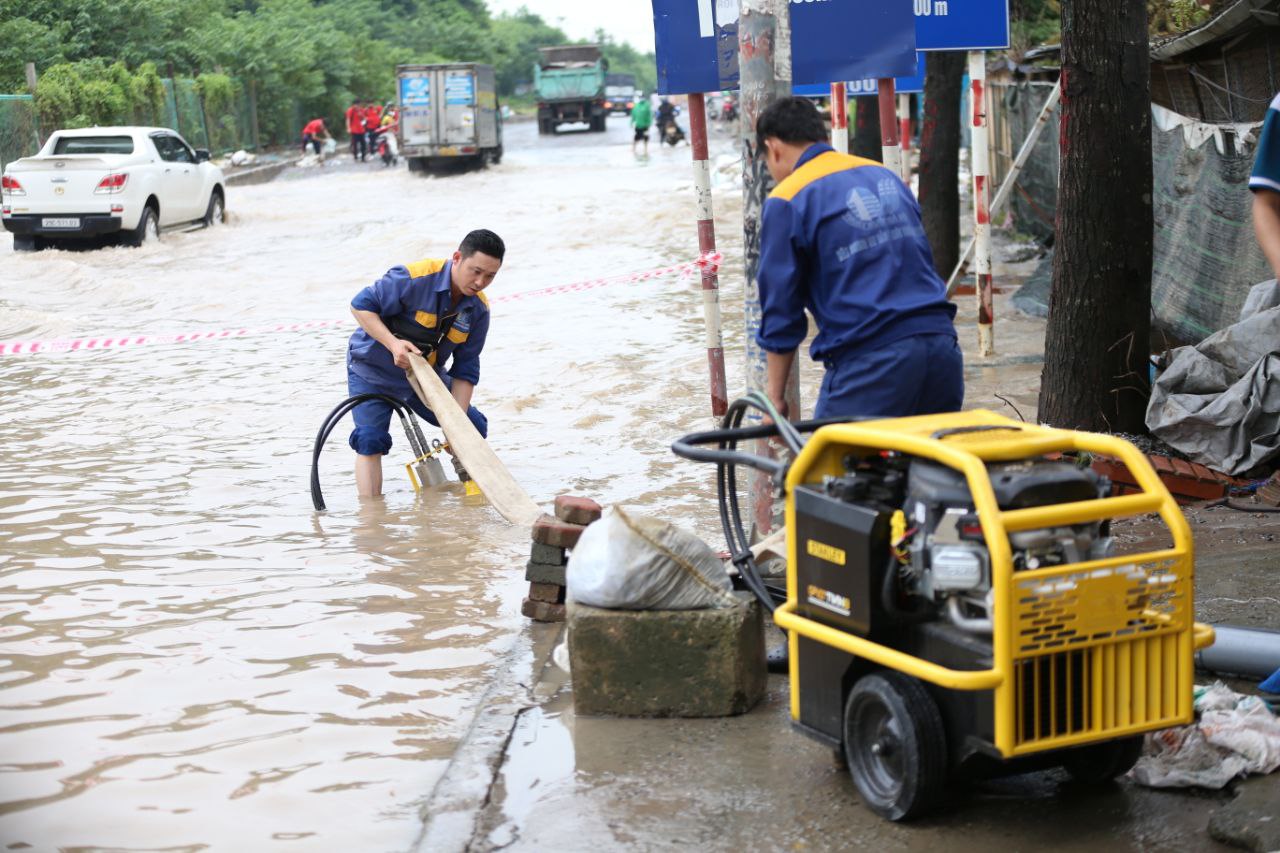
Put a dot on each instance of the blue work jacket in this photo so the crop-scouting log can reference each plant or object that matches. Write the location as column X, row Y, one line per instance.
column 841, row 236
column 420, row 293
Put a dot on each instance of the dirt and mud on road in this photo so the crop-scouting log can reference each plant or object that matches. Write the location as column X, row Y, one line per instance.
column 194, row 659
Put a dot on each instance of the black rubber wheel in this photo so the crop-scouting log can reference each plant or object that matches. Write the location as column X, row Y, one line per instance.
column 1099, row 763
column 148, row 228
column 497, row 155
column 895, row 744
column 217, row 211
column 25, row 243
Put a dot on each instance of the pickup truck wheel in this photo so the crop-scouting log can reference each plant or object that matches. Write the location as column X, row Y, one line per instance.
column 217, row 212
column 148, row 229
column 25, row 243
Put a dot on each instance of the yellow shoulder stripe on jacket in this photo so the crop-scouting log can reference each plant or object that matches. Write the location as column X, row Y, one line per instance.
column 826, row 163
column 425, row 267
column 483, row 299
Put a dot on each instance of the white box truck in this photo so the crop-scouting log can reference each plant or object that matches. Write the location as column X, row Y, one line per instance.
column 448, row 114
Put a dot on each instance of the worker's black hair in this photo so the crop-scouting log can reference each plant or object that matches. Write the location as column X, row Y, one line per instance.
column 483, row 240
column 792, row 120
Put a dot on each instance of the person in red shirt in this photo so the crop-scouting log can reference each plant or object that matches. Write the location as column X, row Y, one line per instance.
column 356, row 127
column 372, row 121
column 312, row 133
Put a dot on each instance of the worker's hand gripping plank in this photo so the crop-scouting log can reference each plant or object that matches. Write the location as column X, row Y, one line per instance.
column 503, row 492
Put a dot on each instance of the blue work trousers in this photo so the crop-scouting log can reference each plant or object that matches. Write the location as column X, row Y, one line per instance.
column 918, row 375
column 371, row 437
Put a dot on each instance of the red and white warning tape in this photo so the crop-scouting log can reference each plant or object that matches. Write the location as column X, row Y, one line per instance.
column 103, row 342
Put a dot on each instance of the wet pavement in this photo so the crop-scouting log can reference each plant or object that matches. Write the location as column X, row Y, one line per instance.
column 192, row 658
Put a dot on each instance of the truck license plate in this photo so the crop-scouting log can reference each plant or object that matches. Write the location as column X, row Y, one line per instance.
column 448, row 151
column 63, row 222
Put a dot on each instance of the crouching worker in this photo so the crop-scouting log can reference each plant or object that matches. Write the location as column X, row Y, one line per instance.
column 434, row 308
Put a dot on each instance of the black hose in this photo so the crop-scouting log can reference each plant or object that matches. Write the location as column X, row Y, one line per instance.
column 410, row 424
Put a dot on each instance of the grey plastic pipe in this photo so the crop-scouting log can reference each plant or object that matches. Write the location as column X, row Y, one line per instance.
column 1253, row 652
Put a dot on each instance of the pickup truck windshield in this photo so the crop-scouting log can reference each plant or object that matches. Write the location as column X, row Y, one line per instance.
column 93, row 145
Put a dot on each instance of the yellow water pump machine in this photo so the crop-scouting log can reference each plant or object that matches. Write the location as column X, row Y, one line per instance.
column 955, row 606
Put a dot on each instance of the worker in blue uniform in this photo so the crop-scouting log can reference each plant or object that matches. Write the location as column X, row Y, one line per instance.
column 1264, row 180
column 841, row 237
column 434, row 308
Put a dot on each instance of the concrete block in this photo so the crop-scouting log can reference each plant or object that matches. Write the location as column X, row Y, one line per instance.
column 549, row 530
column 552, row 593
column 548, row 554
column 542, row 611
column 1250, row 821
column 577, row 510
column 544, row 573
column 667, row 663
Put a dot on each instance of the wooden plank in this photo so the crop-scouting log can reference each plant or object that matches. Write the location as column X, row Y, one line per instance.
column 503, row 492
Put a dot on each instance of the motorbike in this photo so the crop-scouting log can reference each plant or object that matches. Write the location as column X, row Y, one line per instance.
column 729, row 111
column 386, row 147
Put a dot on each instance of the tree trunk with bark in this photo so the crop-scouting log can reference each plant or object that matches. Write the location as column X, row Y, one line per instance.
column 1097, row 341
column 866, row 128
column 940, row 158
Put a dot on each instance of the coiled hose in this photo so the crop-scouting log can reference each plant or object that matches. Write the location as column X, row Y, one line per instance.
column 411, row 430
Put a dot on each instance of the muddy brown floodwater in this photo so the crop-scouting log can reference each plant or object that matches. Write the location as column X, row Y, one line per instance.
column 190, row 656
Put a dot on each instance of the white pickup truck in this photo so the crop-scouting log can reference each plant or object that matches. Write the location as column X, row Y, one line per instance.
column 134, row 181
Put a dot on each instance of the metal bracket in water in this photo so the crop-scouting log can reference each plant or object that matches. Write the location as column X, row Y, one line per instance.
column 426, row 471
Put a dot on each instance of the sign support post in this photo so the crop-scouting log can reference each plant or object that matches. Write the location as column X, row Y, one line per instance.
column 891, row 151
column 706, row 246
column 839, row 118
column 980, row 166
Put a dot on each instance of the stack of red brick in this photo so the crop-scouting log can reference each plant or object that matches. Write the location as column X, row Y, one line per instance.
column 553, row 538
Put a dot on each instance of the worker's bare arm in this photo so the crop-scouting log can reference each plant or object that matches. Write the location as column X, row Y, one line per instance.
column 777, row 369
column 1266, row 224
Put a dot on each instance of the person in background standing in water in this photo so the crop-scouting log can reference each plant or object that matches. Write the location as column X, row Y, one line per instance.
column 313, row 133
column 434, row 308
column 372, row 121
column 355, row 127
column 641, row 120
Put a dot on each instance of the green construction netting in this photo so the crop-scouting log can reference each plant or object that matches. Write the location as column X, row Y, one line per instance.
column 1036, row 193
column 1205, row 254
column 19, row 134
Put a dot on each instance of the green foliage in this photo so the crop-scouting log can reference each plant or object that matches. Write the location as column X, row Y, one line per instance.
column 105, row 60
column 1169, row 17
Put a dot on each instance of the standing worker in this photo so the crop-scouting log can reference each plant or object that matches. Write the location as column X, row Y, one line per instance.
column 841, row 236
column 641, row 120
column 1265, row 183
column 434, row 308
column 355, row 127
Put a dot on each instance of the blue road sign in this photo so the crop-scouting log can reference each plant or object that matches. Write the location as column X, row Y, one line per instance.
column 851, row 40
column 962, row 24
column 696, row 44
column 901, row 85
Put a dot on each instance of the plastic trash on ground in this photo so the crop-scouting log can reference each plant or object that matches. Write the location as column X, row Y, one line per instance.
column 632, row 562
column 1234, row 736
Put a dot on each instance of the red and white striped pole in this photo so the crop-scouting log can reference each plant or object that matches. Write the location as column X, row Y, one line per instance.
column 707, row 245
column 904, row 135
column 890, row 150
column 979, row 159
column 839, row 118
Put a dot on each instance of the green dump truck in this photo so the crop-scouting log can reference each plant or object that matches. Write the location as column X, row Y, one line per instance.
column 570, row 84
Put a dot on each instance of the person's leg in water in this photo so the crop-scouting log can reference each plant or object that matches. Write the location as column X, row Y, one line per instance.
column 371, row 438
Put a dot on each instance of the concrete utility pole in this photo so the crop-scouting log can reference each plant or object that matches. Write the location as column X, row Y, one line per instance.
column 764, row 64
column 32, row 80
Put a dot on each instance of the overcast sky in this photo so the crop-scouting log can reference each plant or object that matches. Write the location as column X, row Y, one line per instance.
column 626, row 20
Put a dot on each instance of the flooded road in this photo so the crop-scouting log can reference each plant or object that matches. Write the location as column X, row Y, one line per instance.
column 190, row 656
